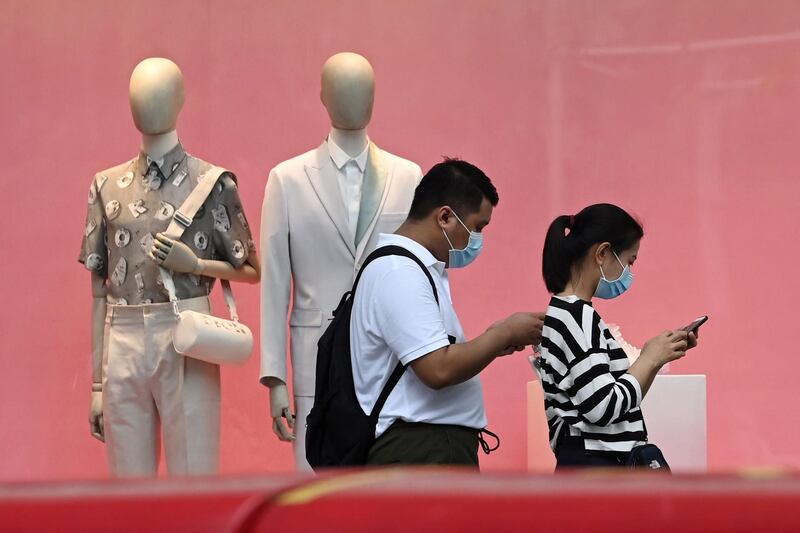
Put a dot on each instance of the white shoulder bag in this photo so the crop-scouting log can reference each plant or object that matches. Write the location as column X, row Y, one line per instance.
column 198, row 335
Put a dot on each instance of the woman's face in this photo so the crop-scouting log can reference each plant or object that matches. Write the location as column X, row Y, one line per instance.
column 608, row 261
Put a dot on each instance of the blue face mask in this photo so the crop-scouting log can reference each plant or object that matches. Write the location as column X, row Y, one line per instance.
column 461, row 258
column 608, row 289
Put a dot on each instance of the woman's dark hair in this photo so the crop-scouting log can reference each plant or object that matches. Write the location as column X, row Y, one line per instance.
column 595, row 224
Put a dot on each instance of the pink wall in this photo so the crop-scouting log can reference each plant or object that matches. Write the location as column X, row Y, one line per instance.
column 685, row 112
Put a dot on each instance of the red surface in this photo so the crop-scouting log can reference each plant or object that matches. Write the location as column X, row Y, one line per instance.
column 685, row 112
column 411, row 501
column 178, row 505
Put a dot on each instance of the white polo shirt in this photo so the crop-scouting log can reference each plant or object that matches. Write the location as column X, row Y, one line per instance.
column 395, row 317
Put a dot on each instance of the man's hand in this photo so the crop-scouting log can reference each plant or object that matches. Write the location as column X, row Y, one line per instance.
column 510, row 349
column 522, row 329
column 173, row 255
column 96, row 416
column 280, row 412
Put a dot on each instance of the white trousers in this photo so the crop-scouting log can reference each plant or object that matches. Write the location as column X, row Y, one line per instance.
column 147, row 386
column 302, row 406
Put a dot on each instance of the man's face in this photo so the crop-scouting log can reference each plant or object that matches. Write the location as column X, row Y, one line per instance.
column 476, row 221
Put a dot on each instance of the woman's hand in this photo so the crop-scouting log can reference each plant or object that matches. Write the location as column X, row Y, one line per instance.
column 669, row 346
column 692, row 340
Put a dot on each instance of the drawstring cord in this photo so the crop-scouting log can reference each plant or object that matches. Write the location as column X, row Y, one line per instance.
column 485, row 445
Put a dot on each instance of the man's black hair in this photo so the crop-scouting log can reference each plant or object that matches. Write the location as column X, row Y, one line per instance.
column 454, row 183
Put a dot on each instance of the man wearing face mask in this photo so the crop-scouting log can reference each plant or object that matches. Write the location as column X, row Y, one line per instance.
column 435, row 413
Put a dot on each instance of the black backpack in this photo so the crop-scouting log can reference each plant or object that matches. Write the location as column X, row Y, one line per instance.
column 338, row 431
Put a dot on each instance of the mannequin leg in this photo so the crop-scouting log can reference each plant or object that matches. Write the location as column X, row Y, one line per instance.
column 191, row 444
column 302, row 405
column 187, row 393
column 130, row 418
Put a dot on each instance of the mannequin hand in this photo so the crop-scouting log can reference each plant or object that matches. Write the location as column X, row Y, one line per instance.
column 173, row 255
column 279, row 410
column 96, row 416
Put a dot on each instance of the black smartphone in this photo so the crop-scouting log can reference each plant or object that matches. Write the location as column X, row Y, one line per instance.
column 694, row 326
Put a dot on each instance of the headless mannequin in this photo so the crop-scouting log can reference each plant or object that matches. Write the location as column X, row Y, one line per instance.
column 348, row 94
column 156, row 99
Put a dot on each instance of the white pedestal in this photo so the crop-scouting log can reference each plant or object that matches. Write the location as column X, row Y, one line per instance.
column 674, row 411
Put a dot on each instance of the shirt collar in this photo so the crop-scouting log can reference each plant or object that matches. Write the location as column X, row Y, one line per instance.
column 572, row 298
column 170, row 160
column 341, row 158
column 422, row 253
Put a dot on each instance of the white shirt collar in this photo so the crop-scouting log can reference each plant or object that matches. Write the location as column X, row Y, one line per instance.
column 159, row 162
column 422, row 253
column 340, row 157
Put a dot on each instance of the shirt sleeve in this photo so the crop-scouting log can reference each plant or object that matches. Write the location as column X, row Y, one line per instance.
column 599, row 398
column 407, row 314
column 233, row 240
column 94, row 251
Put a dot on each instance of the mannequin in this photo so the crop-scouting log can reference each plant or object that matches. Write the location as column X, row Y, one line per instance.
column 337, row 199
column 131, row 323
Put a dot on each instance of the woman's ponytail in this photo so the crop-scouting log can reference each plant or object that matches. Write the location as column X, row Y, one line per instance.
column 556, row 257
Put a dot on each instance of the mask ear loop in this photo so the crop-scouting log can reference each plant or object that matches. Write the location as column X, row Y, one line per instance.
column 445, row 233
column 448, row 239
column 620, row 264
column 618, row 259
column 460, row 221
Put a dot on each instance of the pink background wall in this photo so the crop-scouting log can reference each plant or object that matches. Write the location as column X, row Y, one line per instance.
column 684, row 112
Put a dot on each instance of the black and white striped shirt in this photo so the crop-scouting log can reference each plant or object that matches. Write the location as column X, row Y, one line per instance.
column 587, row 388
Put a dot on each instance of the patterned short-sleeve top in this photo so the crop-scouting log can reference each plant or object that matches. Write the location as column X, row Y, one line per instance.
column 132, row 202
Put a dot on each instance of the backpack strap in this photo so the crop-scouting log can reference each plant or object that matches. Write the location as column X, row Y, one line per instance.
column 400, row 369
column 394, row 250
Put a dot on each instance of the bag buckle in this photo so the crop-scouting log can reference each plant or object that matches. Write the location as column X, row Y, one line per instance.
column 182, row 219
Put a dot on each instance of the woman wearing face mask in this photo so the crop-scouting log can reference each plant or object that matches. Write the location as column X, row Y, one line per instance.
column 592, row 393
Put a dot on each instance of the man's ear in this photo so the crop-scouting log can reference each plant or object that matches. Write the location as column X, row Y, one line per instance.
column 443, row 215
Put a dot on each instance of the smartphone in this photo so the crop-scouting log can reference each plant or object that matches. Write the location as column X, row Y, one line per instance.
column 694, row 326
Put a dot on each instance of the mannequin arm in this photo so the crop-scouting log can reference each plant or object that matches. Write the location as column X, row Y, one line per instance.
column 98, row 331
column 279, row 408
column 276, row 284
column 178, row 257
column 249, row 272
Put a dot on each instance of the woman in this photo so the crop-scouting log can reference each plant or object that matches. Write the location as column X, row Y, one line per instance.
column 592, row 393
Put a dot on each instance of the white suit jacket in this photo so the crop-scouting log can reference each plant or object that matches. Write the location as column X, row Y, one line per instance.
column 308, row 250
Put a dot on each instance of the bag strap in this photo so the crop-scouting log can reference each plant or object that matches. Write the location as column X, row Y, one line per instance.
column 181, row 221
column 400, row 369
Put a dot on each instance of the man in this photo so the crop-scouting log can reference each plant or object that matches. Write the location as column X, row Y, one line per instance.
column 435, row 413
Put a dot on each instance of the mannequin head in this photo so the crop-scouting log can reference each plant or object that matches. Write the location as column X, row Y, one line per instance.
column 156, row 95
column 348, row 90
